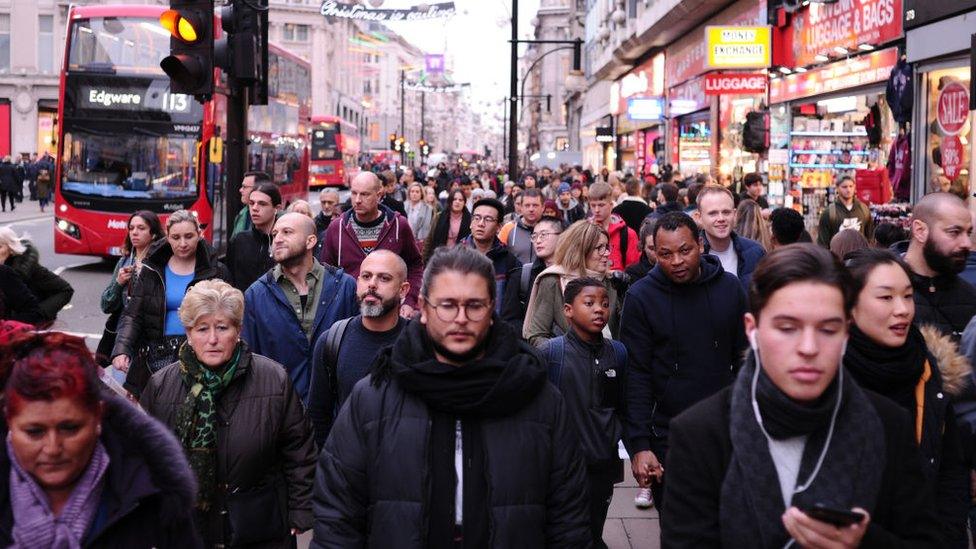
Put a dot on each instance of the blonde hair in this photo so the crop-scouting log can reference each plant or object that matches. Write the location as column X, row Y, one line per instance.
column 211, row 297
column 9, row 238
column 182, row 216
column 576, row 243
column 293, row 207
column 749, row 223
column 711, row 188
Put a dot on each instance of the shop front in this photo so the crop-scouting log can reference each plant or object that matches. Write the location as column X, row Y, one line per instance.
column 937, row 46
column 831, row 122
column 637, row 103
column 704, row 130
column 594, row 114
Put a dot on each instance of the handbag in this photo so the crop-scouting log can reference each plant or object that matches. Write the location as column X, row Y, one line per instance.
column 103, row 353
column 160, row 354
column 256, row 515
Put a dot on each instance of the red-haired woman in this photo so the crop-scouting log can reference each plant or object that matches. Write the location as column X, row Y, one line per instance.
column 81, row 467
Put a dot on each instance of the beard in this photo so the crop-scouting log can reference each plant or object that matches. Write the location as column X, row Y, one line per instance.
column 942, row 263
column 461, row 358
column 384, row 307
column 291, row 257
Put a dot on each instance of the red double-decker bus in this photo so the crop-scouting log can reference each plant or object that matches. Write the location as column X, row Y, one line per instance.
column 335, row 152
column 127, row 143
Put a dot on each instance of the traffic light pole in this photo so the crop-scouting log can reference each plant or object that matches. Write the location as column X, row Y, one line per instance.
column 403, row 111
column 513, row 100
column 235, row 155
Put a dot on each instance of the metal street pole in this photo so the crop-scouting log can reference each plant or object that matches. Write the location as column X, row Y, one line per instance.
column 423, row 109
column 504, row 149
column 235, row 153
column 403, row 111
column 513, row 100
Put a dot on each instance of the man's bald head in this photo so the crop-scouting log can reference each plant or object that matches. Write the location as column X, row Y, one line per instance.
column 302, row 224
column 386, row 261
column 368, row 178
column 933, row 205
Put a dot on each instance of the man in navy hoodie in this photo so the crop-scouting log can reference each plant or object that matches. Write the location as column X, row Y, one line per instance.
column 716, row 215
column 682, row 326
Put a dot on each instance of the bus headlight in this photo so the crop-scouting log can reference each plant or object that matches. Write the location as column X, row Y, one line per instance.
column 69, row 229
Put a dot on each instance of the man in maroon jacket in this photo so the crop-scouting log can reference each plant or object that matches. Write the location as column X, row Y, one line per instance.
column 369, row 226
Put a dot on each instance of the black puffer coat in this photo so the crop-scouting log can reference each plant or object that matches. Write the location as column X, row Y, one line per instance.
column 144, row 316
column 52, row 291
column 149, row 489
column 374, row 476
column 248, row 257
column 263, row 438
column 946, row 302
column 17, row 302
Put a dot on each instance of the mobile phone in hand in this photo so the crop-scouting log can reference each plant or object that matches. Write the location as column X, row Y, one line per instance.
column 831, row 515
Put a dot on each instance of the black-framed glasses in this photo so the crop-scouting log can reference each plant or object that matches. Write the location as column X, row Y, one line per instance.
column 543, row 234
column 474, row 310
column 486, row 218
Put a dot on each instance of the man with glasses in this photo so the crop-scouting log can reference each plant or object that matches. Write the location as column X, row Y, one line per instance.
column 461, row 397
column 682, row 326
column 545, row 235
column 243, row 220
column 485, row 221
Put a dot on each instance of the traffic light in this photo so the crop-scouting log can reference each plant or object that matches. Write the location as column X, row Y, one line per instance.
column 242, row 52
column 424, row 148
column 393, row 141
column 189, row 64
column 398, row 144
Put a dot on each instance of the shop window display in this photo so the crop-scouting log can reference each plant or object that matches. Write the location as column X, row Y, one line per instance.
column 695, row 145
column 948, row 126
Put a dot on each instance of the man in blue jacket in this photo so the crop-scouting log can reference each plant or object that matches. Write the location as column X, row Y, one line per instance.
column 682, row 327
column 716, row 215
column 291, row 305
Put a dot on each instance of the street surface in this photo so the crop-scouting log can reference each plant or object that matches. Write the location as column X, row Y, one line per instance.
column 626, row 528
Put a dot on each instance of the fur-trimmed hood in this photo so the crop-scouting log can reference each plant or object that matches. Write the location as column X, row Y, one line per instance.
column 953, row 366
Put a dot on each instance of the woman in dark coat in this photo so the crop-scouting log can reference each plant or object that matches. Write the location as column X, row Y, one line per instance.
column 123, row 482
column 243, row 426
column 918, row 369
column 453, row 225
column 747, row 465
column 149, row 332
column 17, row 302
column 52, row 291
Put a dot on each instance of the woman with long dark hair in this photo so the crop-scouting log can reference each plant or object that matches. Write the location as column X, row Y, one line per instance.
column 918, row 368
column 795, row 453
column 453, row 224
column 142, row 229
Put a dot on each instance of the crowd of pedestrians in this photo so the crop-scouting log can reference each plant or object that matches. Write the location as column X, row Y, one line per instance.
column 451, row 359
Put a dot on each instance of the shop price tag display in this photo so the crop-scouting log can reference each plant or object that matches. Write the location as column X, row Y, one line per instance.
column 952, row 156
column 953, row 108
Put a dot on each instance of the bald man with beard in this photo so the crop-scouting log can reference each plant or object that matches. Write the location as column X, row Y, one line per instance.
column 288, row 308
column 938, row 246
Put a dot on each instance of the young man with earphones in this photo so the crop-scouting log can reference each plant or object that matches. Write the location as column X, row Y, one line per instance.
column 794, row 453
column 682, row 326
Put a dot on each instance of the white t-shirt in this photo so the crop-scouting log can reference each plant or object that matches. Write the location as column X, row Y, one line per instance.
column 729, row 259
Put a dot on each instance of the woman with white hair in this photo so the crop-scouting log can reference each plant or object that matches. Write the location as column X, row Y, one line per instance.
column 52, row 291
column 241, row 424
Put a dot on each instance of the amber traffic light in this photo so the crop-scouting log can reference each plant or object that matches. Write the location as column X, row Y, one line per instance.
column 190, row 62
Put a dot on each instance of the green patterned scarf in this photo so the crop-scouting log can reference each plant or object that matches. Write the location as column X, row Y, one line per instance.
column 196, row 425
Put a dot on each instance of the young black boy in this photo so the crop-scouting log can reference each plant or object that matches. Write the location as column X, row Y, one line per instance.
column 588, row 370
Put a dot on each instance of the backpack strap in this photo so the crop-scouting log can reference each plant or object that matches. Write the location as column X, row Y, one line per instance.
column 623, row 245
column 525, row 281
column 333, row 339
column 557, row 350
column 620, row 352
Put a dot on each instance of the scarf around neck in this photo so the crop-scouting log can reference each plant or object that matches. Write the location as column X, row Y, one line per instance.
column 498, row 384
column 849, row 475
column 196, row 420
column 35, row 525
column 891, row 371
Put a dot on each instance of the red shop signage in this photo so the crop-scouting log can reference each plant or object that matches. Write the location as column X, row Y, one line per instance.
column 735, row 84
column 951, row 149
column 820, row 28
column 842, row 75
column 953, row 108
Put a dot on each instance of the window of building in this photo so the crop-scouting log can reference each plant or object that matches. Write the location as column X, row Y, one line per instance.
column 45, row 43
column 4, row 42
column 292, row 32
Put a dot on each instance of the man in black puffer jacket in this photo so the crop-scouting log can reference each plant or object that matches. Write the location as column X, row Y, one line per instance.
column 458, row 395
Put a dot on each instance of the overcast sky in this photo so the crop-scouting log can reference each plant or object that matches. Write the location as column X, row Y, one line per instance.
column 477, row 40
